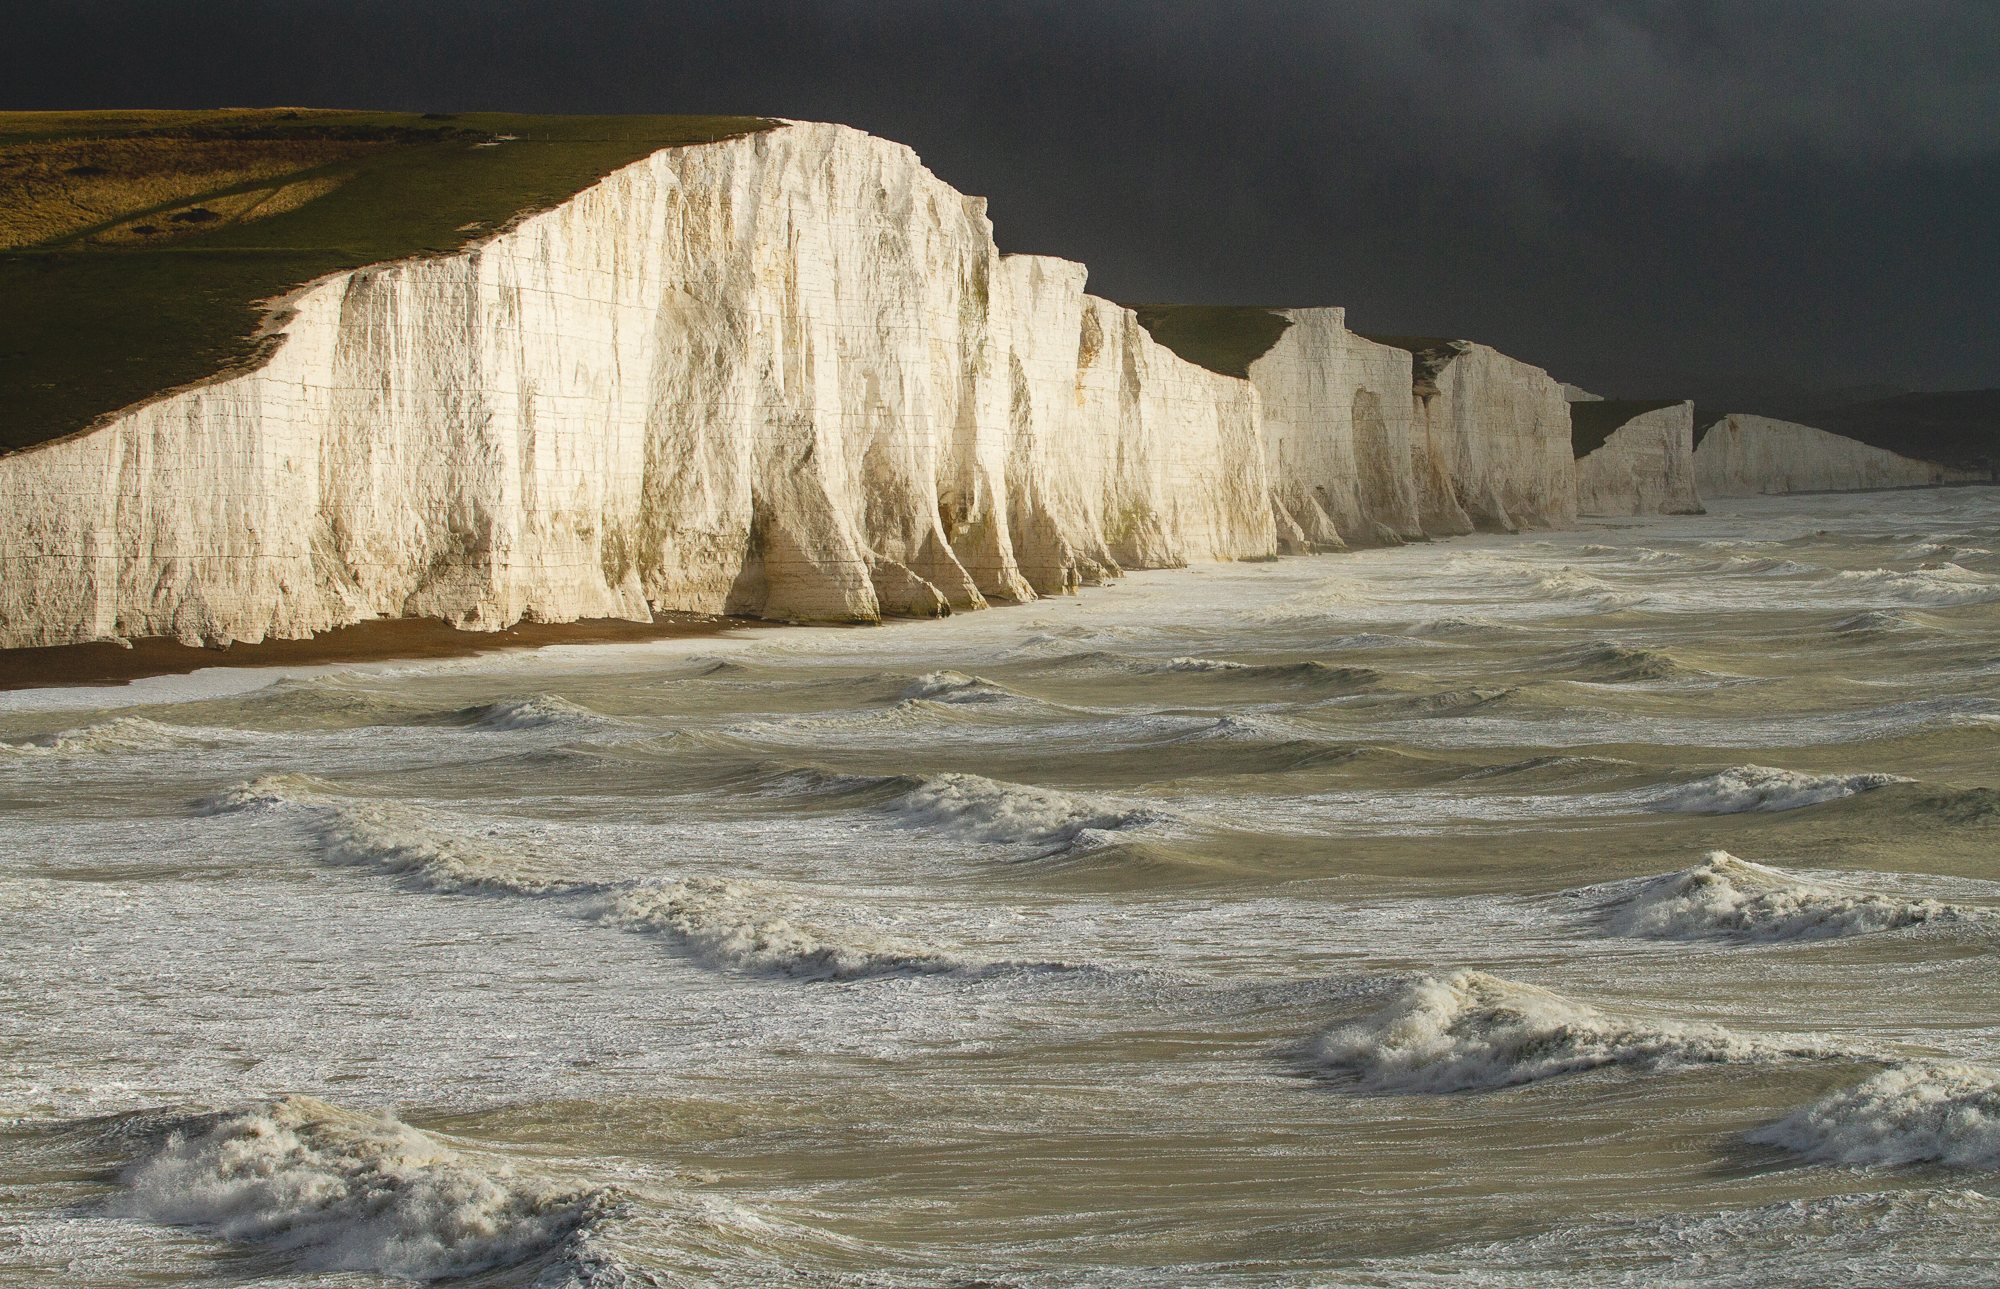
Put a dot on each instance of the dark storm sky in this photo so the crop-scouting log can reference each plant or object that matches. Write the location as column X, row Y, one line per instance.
column 1659, row 197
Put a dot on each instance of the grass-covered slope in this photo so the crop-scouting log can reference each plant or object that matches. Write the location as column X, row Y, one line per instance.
column 1225, row 338
column 136, row 248
column 1591, row 423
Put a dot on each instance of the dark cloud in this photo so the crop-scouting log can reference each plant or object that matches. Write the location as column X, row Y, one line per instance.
column 1644, row 195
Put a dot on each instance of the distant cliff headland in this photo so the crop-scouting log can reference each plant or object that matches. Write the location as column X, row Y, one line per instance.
column 270, row 373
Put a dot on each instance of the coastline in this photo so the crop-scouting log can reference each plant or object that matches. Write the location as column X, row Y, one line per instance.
column 380, row 640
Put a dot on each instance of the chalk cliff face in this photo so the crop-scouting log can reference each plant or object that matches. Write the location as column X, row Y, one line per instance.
column 1644, row 467
column 1749, row 456
column 787, row 374
column 1336, row 435
column 1489, row 442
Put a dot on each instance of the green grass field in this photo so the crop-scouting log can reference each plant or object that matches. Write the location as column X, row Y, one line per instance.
column 136, row 248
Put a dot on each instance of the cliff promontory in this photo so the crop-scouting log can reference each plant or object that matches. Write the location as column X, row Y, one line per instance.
column 1748, row 456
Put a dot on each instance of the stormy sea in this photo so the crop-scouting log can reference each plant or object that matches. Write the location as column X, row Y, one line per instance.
column 1603, row 907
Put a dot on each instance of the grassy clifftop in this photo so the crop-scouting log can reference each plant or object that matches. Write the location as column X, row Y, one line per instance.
column 136, row 248
column 1224, row 338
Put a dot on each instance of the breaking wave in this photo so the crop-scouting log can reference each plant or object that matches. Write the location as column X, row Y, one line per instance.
column 1943, row 584
column 1471, row 1030
column 344, row 1192
column 1727, row 896
column 1914, row 1112
column 1568, row 584
column 124, row 735
column 988, row 810
column 1555, row 771
column 1455, row 701
column 757, row 926
column 1608, row 661
column 1875, row 622
column 745, row 925
column 1764, row 788
column 393, row 839
column 533, row 712
column 1317, row 674
column 956, row 687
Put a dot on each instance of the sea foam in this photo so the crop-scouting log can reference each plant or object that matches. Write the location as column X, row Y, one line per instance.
column 1471, row 1030
column 345, row 1192
column 1912, row 1112
column 1724, row 896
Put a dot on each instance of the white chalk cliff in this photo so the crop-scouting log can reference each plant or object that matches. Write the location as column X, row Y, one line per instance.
column 1336, row 435
column 1379, row 444
column 1644, row 467
column 1749, row 456
column 789, row 375
column 1490, row 443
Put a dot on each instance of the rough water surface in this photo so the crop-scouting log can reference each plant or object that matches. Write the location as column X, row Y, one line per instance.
column 1608, row 907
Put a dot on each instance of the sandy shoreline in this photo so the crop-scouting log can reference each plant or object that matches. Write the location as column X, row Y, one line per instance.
column 383, row 640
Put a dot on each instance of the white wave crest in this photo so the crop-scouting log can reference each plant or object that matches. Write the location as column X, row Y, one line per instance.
column 1727, row 896
column 1874, row 621
column 1765, row 788
column 1909, row 1113
column 1203, row 665
column 534, row 712
column 1943, row 584
column 1473, row 1030
column 987, row 810
column 349, row 1193
column 394, row 838
column 1567, row 583
column 1944, row 547
column 955, row 687
column 124, row 735
column 270, row 791
column 758, row 926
